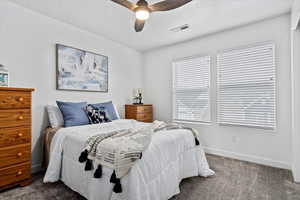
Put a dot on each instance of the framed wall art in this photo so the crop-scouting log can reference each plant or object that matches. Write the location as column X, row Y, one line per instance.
column 80, row 70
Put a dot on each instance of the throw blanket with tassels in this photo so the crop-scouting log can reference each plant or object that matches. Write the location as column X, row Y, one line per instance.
column 119, row 150
column 160, row 126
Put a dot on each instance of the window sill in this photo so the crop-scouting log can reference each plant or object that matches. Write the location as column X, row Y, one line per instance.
column 192, row 122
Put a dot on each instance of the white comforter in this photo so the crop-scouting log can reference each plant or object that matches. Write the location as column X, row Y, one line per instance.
column 171, row 156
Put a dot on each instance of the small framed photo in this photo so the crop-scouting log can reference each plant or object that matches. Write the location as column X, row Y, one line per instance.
column 4, row 79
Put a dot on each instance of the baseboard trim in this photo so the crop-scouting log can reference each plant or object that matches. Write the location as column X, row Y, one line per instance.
column 249, row 158
column 35, row 168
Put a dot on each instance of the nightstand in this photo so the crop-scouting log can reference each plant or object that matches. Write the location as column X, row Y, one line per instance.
column 139, row 112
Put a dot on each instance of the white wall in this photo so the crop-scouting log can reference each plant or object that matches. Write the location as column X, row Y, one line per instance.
column 262, row 146
column 27, row 48
column 295, row 82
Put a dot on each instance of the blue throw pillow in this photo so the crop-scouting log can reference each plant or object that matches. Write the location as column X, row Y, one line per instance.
column 110, row 109
column 74, row 113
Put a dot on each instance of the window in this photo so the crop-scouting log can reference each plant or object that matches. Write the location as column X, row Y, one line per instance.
column 191, row 80
column 246, row 86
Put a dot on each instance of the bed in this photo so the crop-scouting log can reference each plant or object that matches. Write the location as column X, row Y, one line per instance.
column 170, row 157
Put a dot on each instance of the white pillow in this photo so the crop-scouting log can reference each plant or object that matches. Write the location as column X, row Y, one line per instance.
column 55, row 116
column 116, row 110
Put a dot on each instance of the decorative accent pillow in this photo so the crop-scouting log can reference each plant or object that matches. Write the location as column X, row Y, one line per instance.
column 110, row 109
column 97, row 115
column 74, row 113
column 55, row 116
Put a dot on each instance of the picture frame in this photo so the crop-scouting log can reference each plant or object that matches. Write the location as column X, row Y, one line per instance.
column 4, row 77
column 80, row 70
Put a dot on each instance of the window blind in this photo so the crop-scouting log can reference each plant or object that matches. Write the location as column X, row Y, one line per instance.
column 246, row 86
column 191, row 80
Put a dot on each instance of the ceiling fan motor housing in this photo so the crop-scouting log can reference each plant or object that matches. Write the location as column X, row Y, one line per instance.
column 142, row 5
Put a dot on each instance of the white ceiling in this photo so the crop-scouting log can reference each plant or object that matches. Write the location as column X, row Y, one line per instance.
column 112, row 21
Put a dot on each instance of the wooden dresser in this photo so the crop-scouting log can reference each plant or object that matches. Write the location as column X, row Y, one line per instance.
column 15, row 137
column 143, row 112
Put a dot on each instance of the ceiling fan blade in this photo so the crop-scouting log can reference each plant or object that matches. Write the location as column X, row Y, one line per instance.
column 168, row 5
column 139, row 25
column 126, row 4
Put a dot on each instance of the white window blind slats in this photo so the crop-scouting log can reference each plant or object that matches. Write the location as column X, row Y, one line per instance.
column 247, row 86
column 191, row 89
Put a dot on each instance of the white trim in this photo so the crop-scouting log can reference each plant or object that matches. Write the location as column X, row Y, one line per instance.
column 249, row 158
column 35, row 168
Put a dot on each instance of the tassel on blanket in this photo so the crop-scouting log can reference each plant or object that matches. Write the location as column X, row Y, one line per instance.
column 98, row 172
column 197, row 141
column 88, row 165
column 118, row 187
column 113, row 179
column 83, row 156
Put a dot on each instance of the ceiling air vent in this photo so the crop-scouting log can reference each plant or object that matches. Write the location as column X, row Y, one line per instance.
column 180, row 28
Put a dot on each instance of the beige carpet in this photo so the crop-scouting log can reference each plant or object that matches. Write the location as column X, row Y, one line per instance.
column 234, row 180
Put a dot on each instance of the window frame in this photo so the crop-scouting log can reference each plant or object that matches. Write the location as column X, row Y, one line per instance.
column 271, row 43
column 208, row 122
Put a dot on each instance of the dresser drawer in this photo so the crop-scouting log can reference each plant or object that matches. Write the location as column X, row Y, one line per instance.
column 15, row 154
column 15, row 174
column 15, row 99
column 15, row 117
column 14, row 136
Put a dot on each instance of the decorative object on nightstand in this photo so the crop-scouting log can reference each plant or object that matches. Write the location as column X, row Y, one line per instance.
column 139, row 112
column 137, row 96
column 15, row 137
column 4, row 76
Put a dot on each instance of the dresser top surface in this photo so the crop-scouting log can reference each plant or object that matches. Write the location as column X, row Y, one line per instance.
column 16, row 89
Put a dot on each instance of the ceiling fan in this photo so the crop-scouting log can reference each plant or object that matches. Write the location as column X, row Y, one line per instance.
column 142, row 9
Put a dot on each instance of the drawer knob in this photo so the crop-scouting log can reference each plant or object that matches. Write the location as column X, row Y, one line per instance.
column 20, row 117
column 20, row 134
column 19, row 154
column 20, row 99
column 19, row 173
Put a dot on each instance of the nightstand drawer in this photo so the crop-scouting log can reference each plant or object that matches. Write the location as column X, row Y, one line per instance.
column 15, row 99
column 15, row 154
column 144, row 109
column 143, row 116
column 14, row 136
column 15, row 117
column 139, row 109
column 14, row 174
column 144, row 119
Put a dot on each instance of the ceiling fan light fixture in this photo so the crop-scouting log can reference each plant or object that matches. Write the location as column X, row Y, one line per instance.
column 142, row 14
column 142, row 9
